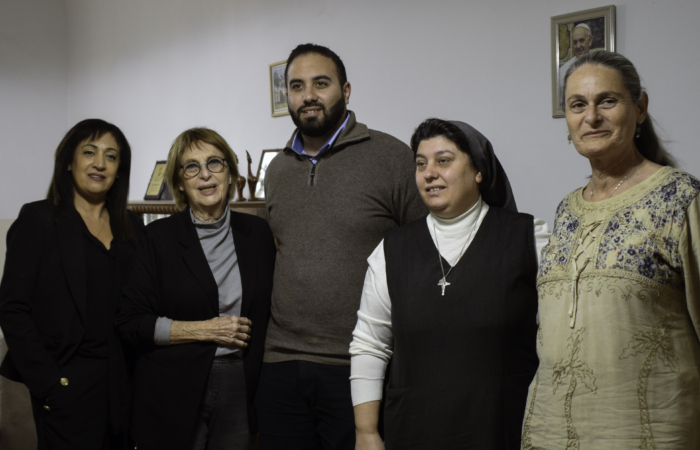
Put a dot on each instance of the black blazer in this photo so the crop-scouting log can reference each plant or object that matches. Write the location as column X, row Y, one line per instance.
column 43, row 300
column 171, row 278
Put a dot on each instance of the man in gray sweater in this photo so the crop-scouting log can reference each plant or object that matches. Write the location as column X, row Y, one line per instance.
column 331, row 195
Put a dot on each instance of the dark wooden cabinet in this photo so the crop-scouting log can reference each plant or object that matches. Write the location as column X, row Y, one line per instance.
column 152, row 210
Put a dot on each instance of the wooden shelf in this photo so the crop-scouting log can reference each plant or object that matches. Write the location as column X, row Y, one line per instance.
column 168, row 207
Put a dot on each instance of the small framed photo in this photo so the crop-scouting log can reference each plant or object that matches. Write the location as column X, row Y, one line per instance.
column 157, row 184
column 574, row 35
column 278, row 90
column 265, row 160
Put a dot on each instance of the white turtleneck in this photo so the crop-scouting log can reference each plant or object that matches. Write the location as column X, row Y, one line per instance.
column 372, row 343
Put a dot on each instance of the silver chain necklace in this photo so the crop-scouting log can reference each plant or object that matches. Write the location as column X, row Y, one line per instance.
column 618, row 184
column 443, row 281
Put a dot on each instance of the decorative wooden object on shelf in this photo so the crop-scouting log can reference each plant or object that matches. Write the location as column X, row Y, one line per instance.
column 240, row 182
column 252, row 180
column 239, row 187
column 168, row 207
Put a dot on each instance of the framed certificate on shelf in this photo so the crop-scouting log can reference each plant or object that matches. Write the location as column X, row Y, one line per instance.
column 157, row 184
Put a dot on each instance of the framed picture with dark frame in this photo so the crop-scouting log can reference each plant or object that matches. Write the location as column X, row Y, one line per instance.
column 265, row 159
column 157, row 184
column 278, row 90
column 574, row 35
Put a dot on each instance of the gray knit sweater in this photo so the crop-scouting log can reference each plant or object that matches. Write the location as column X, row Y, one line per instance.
column 362, row 187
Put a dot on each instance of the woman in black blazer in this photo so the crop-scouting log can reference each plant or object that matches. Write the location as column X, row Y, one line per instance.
column 197, row 306
column 67, row 259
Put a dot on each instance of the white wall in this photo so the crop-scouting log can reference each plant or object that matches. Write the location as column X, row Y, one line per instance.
column 33, row 88
column 156, row 68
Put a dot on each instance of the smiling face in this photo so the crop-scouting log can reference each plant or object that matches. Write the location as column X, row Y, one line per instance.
column 317, row 101
column 207, row 192
column 447, row 180
column 582, row 41
column 600, row 113
column 94, row 167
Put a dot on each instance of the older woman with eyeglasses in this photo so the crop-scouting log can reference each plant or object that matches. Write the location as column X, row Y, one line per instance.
column 197, row 307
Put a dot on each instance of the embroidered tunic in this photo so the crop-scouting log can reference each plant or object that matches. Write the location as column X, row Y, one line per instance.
column 619, row 315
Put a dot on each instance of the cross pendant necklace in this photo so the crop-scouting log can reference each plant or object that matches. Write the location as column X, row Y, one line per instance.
column 443, row 283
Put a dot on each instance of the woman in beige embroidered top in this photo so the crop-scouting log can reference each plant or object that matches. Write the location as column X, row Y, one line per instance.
column 618, row 284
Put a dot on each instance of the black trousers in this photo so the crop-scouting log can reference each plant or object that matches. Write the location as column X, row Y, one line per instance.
column 222, row 422
column 78, row 415
column 305, row 406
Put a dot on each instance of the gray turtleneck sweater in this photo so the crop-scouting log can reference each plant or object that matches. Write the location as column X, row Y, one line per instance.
column 217, row 243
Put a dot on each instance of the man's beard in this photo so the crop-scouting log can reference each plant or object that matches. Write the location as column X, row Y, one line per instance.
column 315, row 127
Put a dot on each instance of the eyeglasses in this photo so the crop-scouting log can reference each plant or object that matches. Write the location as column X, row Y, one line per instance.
column 192, row 168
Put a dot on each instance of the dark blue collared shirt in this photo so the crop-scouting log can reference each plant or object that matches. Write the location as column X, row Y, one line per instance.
column 298, row 145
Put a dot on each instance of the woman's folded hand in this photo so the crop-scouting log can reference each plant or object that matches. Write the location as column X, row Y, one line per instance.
column 223, row 330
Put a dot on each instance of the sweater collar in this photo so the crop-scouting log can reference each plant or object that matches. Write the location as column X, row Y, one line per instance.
column 352, row 133
column 221, row 222
column 298, row 144
column 462, row 223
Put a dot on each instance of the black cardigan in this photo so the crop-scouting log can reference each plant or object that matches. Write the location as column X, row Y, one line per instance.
column 171, row 278
column 43, row 300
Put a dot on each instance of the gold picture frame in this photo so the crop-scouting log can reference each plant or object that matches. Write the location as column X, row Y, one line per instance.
column 278, row 90
column 600, row 22
column 156, row 186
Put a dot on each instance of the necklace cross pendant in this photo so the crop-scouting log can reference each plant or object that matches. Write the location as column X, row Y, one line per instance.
column 443, row 284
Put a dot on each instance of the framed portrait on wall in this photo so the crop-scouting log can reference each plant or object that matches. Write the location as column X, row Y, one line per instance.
column 574, row 35
column 278, row 91
column 265, row 159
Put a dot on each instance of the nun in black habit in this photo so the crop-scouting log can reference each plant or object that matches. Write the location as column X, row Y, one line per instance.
column 450, row 304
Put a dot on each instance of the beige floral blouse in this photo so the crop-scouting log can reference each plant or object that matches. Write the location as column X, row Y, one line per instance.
column 619, row 311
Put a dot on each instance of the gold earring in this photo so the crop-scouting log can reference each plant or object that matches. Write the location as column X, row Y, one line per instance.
column 568, row 138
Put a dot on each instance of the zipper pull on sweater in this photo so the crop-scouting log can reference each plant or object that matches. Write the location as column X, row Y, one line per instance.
column 313, row 173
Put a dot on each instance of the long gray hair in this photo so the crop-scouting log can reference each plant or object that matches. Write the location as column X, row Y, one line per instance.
column 648, row 143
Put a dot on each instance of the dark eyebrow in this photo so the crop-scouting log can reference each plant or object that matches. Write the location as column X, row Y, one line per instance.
column 576, row 97
column 95, row 147
column 316, row 78
column 437, row 153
